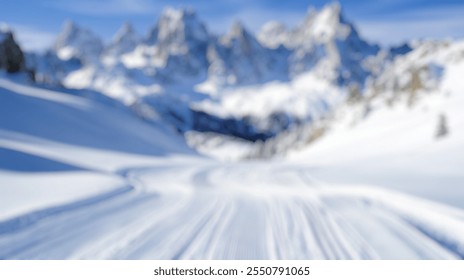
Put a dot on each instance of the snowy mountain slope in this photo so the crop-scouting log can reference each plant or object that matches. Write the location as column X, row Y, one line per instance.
column 376, row 174
column 124, row 41
column 127, row 133
column 276, row 106
column 65, row 145
column 183, row 66
column 199, row 210
column 175, row 49
column 49, row 69
column 239, row 59
column 77, row 42
column 326, row 43
column 129, row 190
column 84, row 177
column 402, row 87
column 406, row 132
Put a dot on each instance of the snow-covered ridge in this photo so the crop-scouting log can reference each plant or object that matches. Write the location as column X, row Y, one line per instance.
column 413, row 107
column 185, row 67
column 77, row 42
column 180, row 48
column 124, row 41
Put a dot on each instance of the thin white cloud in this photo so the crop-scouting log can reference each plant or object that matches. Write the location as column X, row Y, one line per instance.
column 108, row 7
column 391, row 33
column 440, row 12
column 254, row 19
column 424, row 23
column 389, row 29
column 32, row 39
column 440, row 23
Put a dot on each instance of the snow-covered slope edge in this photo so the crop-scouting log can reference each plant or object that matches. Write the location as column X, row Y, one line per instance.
column 72, row 147
column 138, row 196
column 406, row 132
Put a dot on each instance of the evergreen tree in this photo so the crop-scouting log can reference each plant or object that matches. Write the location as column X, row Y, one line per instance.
column 442, row 129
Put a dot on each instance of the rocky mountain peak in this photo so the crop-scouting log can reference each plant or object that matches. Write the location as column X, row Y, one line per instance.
column 11, row 55
column 77, row 42
column 176, row 26
column 126, row 30
column 124, row 41
column 325, row 25
column 273, row 34
column 240, row 39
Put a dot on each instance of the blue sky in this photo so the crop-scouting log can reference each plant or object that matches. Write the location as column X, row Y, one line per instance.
column 36, row 22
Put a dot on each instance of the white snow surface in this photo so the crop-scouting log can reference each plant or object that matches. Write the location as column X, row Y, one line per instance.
column 85, row 178
column 57, row 148
column 82, row 180
column 306, row 96
column 392, row 142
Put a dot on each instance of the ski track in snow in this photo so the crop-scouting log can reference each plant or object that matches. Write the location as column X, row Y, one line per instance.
column 235, row 211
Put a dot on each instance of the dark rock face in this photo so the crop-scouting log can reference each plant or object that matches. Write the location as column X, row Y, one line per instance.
column 243, row 129
column 400, row 50
column 11, row 55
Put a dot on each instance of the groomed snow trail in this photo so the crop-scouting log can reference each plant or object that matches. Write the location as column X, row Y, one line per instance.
column 236, row 211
